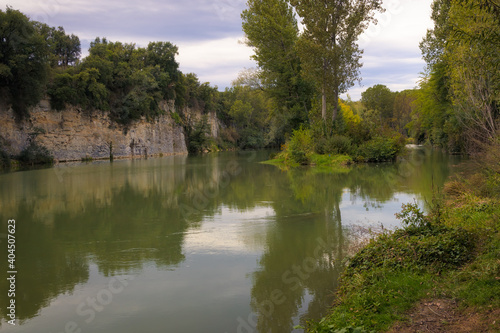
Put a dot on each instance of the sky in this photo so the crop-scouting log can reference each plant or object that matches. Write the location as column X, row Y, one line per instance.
column 209, row 35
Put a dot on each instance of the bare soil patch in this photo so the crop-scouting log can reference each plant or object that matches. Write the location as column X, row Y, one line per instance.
column 443, row 315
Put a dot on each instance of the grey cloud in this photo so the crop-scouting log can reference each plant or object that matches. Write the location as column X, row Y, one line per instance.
column 159, row 20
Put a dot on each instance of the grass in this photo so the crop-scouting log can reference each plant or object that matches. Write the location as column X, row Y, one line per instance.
column 453, row 253
column 375, row 300
column 478, row 285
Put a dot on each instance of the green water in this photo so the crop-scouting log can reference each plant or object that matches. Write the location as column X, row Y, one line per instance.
column 215, row 243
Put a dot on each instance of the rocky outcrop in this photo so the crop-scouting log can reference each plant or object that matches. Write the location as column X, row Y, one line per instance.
column 73, row 134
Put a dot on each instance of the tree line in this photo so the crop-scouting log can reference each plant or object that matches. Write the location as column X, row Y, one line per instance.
column 458, row 104
column 38, row 61
column 455, row 105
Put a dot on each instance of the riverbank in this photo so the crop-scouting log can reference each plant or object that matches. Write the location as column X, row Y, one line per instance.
column 440, row 272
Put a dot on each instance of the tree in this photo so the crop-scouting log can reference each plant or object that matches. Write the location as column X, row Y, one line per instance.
column 460, row 94
column 271, row 30
column 23, row 61
column 64, row 49
column 404, row 105
column 328, row 47
column 379, row 98
column 248, row 111
column 433, row 44
column 163, row 54
column 473, row 54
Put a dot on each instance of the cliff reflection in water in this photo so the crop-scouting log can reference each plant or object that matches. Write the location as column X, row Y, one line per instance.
column 129, row 214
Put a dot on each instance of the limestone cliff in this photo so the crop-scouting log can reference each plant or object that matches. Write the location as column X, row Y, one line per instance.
column 73, row 134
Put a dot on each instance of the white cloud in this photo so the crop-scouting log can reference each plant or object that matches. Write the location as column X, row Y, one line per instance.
column 391, row 49
column 216, row 61
column 370, row 62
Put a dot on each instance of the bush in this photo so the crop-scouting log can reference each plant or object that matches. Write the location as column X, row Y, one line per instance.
column 381, row 149
column 197, row 136
column 337, row 144
column 176, row 117
column 300, row 146
column 63, row 91
column 420, row 244
column 35, row 154
column 324, row 327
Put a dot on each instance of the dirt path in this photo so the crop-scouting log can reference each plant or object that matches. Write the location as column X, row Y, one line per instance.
column 443, row 315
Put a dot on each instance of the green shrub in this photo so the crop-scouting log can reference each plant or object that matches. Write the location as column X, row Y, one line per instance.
column 197, row 137
column 338, row 144
column 381, row 149
column 412, row 217
column 63, row 91
column 323, row 327
column 35, row 154
column 176, row 117
column 300, row 146
column 420, row 244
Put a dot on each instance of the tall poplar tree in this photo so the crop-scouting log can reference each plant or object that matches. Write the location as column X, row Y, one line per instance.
column 328, row 47
column 272, row 31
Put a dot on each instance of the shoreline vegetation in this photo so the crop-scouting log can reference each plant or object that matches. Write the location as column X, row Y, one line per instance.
column 309, row 146
column 450, row 257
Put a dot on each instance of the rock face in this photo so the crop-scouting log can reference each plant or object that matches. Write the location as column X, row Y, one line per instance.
column 72, row 134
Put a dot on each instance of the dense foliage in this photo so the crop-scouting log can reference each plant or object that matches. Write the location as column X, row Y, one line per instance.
column 23, row 61
column 363, row 140
column 458, row 102
column 328, row 46
column 128, row 81
column 271, row 29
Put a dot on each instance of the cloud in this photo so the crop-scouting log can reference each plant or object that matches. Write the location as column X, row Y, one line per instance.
column 216, row 61
column 391, row 48
column 166, row 20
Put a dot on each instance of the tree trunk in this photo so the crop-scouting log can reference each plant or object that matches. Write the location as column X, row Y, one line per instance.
column 323, row 92
column 323, row 104
column 335, row 104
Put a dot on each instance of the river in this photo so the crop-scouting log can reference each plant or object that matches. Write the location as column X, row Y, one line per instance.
column 213, row 243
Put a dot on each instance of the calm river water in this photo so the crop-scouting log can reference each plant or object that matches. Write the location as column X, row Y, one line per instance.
column 215, row 243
